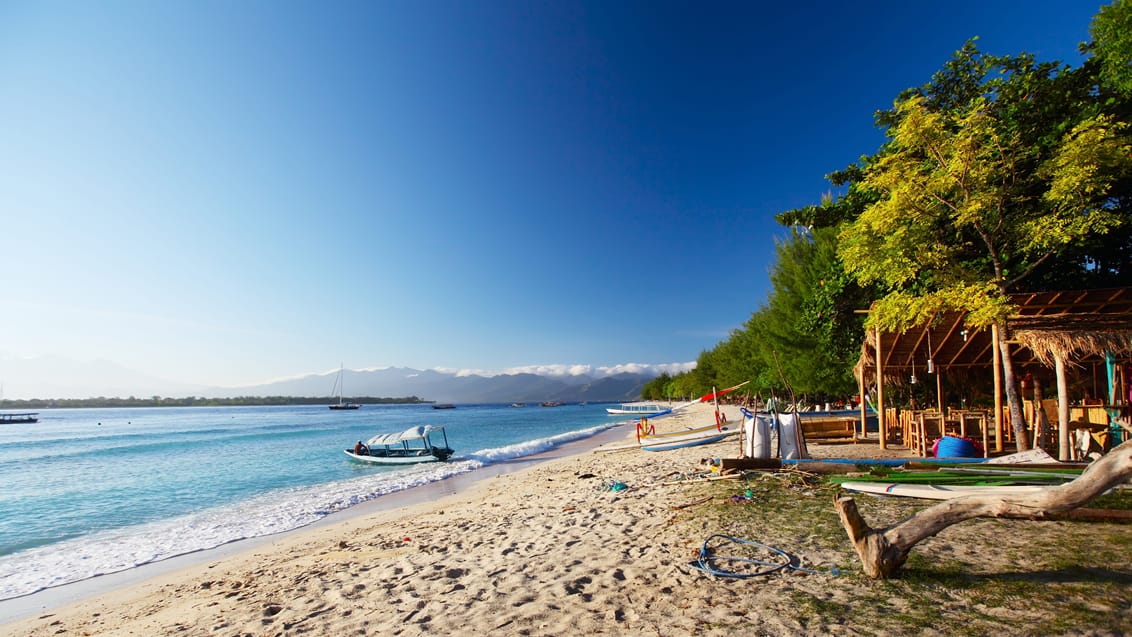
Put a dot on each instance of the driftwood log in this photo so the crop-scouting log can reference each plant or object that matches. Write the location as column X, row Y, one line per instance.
column 883, row 551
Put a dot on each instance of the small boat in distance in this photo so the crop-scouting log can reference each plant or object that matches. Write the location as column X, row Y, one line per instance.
column 518, row 404
column 637, row 409
column 8, row 419
column 444, row 406
column 411, row 446
column 338, row 386
column 552, row 403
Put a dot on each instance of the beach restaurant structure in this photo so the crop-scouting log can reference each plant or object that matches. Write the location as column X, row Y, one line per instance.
column 1074, row 347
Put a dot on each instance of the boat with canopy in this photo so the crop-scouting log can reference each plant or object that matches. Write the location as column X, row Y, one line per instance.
column 414, row 445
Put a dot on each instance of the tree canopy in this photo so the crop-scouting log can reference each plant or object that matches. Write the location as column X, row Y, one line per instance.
column 1000, row 174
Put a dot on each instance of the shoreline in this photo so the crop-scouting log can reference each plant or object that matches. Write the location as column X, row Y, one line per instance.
column 585, row 542
column 20, row 608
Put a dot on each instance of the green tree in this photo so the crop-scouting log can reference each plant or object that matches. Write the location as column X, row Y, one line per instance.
column 1112, row 45
column 970, row 203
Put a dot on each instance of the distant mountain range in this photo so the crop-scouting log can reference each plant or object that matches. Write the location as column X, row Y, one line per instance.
column 61, row 378
column 448, row 387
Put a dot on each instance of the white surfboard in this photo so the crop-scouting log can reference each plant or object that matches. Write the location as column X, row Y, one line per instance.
column 941, row 491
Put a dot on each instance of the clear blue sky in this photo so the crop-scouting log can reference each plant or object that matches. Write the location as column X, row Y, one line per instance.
column 231, row 192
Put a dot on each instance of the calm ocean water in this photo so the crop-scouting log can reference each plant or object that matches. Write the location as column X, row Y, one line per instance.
column 85, row 492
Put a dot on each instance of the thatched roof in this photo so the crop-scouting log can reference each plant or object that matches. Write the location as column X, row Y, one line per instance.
column 1079, row 325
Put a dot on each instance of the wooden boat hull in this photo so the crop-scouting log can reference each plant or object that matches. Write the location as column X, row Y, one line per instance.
column 940, row 491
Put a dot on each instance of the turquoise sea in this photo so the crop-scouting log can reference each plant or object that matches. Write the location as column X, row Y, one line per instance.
column 86, row 492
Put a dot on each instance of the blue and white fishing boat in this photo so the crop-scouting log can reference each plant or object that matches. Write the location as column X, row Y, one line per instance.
column 412, row 446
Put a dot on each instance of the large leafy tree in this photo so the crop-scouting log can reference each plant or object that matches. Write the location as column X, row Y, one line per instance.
column 1112, row 45
column 1000, row 174
column 990, row 173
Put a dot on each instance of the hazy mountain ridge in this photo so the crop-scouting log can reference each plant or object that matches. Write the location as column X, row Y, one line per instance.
column 453, row 388
column 61, row 378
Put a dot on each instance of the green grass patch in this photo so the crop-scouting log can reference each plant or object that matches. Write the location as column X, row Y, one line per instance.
column 978, row 577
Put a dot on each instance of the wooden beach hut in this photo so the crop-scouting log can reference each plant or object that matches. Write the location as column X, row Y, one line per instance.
column 1083, row 336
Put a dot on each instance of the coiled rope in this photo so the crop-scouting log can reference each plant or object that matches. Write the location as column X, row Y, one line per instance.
column 711, row 564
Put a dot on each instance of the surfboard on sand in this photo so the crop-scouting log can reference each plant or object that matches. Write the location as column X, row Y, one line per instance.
column 940, row 491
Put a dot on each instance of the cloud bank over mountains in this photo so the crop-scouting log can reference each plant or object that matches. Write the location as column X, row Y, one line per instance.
column 577, row 370
column 55, row 377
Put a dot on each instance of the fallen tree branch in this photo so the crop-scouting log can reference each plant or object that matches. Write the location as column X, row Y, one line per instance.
column 883, row 551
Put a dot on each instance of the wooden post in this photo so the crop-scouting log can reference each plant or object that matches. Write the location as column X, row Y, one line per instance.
column 864, row 410
column 996, row 353
column 939, row 394
column 881, row 424
column 1063, row 450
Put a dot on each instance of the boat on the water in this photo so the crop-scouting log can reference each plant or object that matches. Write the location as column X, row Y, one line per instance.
column 8, row 419
column 412, row 446
column 647, row 410
column 341, row 404
column 518, row 404
column 552, row 403
column 444, row 406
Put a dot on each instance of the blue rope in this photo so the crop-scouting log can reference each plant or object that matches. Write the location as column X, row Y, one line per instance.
column 707, row 563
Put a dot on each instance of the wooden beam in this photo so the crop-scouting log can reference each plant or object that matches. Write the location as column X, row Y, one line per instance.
column 864, row 411
column 881, row 425
column 996, row 353
column 939, row 391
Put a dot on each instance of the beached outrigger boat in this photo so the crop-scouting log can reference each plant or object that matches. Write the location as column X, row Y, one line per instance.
column 7, row 419
column 659, row 443
column 408, row 447
column 676, row 439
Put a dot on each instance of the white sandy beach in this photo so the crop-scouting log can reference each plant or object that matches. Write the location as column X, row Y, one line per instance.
column 543, row 551
column 546, row 550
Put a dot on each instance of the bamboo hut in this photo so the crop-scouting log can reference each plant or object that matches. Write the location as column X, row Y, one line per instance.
column 1082, row 338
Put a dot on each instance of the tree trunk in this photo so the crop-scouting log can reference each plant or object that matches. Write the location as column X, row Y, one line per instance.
column 883, row 551
column 1012, row 398
column 1063, row 448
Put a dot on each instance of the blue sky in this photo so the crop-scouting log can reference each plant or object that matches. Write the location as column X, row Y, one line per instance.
column 226, row 193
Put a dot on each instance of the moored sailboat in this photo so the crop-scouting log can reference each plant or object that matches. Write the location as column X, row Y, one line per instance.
column 341, row 404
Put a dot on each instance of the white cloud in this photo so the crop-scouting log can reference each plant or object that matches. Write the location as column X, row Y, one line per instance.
column 576, row 370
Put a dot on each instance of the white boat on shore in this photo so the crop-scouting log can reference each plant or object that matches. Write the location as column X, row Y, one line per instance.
column 411, row 446
column 676, row 439
column 655, row 443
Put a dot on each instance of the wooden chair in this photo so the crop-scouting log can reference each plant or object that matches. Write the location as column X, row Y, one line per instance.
column 975, row 428
column 929, row 429
column 909, row 425
column 892, row 424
